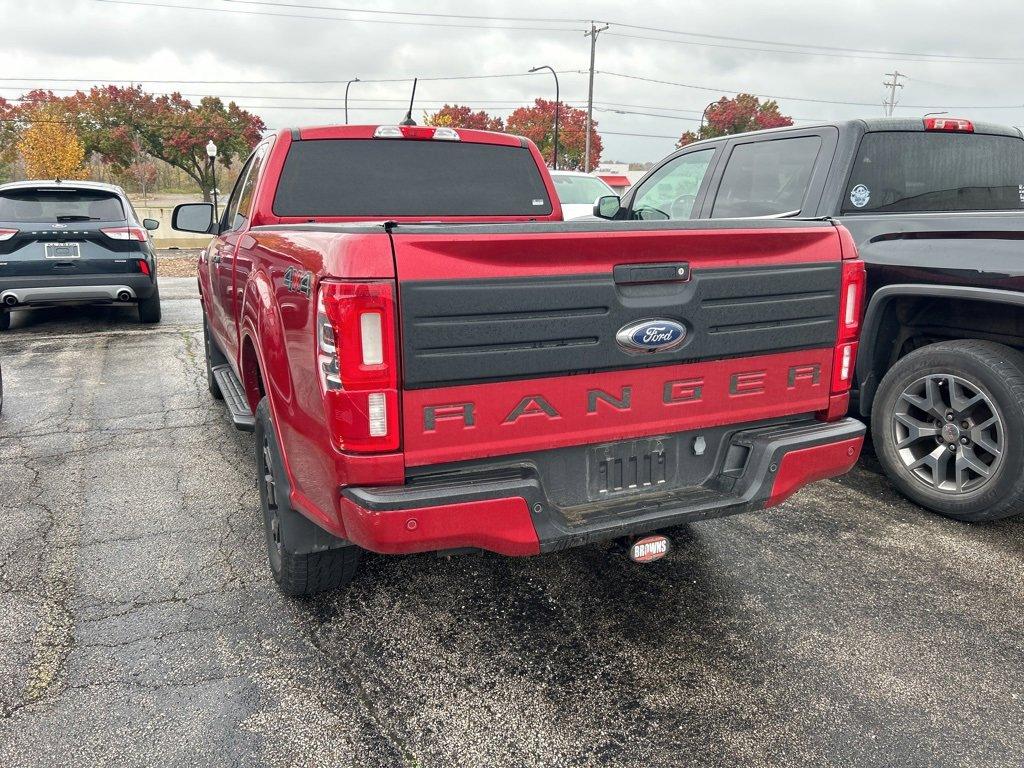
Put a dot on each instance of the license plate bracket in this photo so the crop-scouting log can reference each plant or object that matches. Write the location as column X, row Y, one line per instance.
column 630, row 466
column 63, row 251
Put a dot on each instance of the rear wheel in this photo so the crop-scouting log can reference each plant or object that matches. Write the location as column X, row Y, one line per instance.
column 948, row 428
column 149, row 309
column 295, row 574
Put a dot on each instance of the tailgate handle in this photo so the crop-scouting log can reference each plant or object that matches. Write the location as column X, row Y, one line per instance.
column 626, row 274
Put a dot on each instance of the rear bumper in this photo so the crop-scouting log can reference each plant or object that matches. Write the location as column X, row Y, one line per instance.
column 27, row 292
column 510, row 512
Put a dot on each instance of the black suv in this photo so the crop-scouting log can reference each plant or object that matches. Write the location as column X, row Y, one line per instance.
column 79, row 242
column 936, row 207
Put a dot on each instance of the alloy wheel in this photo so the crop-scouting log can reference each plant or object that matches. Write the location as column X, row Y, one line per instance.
column 948, row 433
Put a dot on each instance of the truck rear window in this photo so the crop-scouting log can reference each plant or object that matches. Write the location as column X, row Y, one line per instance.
column 925, row 171
column 395, row 177
column 43, row 206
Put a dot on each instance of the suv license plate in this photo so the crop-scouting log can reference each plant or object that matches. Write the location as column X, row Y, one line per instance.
column 62, row 251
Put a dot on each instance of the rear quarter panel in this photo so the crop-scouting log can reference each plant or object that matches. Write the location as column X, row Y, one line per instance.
column 278, row 319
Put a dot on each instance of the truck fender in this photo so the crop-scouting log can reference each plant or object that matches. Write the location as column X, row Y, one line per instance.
column 263, row 329
column 871, row 360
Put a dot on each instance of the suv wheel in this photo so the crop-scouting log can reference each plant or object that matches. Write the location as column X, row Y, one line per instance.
column 296, row 574
column 149, row 309
column 948, row 428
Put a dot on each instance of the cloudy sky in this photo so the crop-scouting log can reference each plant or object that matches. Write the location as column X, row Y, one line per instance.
column 821, row 61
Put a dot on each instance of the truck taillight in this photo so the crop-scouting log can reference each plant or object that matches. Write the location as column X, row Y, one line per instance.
column 125, row 233
column 7, row 234
column 357, row 364
column 953, row 124
column 851, row 300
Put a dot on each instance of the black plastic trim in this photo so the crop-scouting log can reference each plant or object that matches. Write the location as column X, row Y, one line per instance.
column 867, row 377
column 731, row 492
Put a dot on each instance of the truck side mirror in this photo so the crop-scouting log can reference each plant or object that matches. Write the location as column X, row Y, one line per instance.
column 193, row 217
column 607, row 207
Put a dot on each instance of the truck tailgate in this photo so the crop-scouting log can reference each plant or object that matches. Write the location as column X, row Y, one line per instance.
column 512, row 334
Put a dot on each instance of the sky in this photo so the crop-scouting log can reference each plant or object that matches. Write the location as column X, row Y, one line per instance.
column 821, row 61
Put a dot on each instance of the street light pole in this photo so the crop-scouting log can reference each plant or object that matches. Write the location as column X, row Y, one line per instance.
column 554, row 159
column 211, row 152
column 703, row 116
column 353, row 80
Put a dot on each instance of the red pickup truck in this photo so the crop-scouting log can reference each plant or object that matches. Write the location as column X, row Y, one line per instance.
column 432, row 361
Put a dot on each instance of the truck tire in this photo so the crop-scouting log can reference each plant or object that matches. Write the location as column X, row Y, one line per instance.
column 211, row 352
column 948, row 428
column 5, row 320
column 149, row 309
column 296, row 575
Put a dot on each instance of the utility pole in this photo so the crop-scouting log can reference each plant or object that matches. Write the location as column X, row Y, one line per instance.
column 592, row 34
column 890, row 105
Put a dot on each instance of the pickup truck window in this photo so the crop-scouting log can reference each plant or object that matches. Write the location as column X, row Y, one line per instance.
column 672, row 191
column 382, row 177
column 42, row 206
column 236, row 213
column 900, row 172
column 766, row 178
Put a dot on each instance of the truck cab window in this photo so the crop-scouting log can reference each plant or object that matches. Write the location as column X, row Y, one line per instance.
column 766, row 178
column 671, row 192
column 236, row 212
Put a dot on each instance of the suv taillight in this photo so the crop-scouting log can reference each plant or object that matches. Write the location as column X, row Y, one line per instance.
column 357, row 364
column 851, row 299
column 7, row 234
column 125, row 233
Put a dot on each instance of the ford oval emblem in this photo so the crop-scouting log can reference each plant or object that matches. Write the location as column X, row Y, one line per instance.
column 651, row 336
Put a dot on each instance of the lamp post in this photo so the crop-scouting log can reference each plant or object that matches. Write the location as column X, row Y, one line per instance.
column 211, row 152
column 353, row 80
column 554, row 159
column 703, row 116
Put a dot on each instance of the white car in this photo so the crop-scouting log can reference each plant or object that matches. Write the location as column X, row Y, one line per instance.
column 577, row 192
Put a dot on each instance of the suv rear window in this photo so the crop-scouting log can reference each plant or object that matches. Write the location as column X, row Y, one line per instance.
column 42, row 206
column 930, row 171
column 396, row 177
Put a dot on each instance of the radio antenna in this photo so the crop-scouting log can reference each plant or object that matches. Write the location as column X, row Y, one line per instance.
column 408, row 115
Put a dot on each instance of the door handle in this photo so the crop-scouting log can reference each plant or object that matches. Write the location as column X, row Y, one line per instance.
column 627, row 274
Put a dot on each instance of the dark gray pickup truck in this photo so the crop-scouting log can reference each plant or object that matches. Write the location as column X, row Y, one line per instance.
column 936, row 207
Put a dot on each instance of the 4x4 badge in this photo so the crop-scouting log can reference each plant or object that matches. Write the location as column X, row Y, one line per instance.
column 303, row 285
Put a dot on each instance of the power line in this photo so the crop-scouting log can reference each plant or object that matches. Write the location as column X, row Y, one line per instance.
column 334, row 18
column 793, row 52
column 809, row 49
column 111, row 80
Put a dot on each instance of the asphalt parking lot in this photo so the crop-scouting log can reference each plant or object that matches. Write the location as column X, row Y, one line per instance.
column 141, row 627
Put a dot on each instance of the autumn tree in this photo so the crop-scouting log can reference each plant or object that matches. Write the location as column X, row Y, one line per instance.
column 118, row 121
column 457, row 116
column 9, row 133
column 50, row 147
column 728, row 116
column 537, row 123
